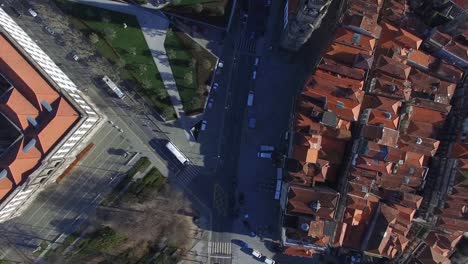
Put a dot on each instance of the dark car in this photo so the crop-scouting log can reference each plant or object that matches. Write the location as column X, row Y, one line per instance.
column 252, row 122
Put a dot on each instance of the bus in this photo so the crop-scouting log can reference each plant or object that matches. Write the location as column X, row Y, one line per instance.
column 177, row 153
column 113, row 87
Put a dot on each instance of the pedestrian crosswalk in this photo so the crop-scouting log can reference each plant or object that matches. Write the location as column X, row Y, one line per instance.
column 220, row 248
column 247, row 43
column 186, row 175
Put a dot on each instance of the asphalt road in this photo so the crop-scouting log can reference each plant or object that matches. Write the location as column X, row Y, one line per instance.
column 56, row 211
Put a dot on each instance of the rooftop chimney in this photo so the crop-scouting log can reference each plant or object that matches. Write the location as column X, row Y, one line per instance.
column 419, row 141
column 315, row 205
column 305, row 227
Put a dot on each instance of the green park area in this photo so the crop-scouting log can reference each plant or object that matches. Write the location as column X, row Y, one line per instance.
column 123, row 46
column 192, row 66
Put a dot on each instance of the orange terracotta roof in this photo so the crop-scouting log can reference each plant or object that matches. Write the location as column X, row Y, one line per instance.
column 351, row 38
column 360, row 21
column 20, row 163
column 6, row 185
column 391, row 87
column 339, row 81
column 421, row 58
column 381, row 103
column 299, row 251
column 381, row 135
column 18, row 109
column 303, row 153
column 332, row 150
column 400, row 36
column 332, row 66
column 452, row 224
column 460, row 151
column 366, row 163
column 449, row 72
column 377, row 117
column 426, row 146
column 301, row 199
column 64, row 118
column 344, row 102
column 24, row 77
column 344, row 54
column 393, row 68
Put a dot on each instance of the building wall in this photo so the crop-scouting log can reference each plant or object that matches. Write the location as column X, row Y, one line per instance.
column 303, row 22
column 65, row 151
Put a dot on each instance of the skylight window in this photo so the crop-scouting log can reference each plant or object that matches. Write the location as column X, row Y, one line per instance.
column 340, row 105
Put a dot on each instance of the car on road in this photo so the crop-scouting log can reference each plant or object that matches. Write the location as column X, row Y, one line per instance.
column 210, row 103
column 75, row 57
column 215, row 86
column 252, row 123
column 220, row 64
column 256, row 254
column 242, row 244
column 268, row 261
column 257, row 60
column 264, row 155
column 32, row 12
column 254, row 75
column 49, row 30
column 250, row 98
column 267, row 148
column 203, row 125
column 245, row 17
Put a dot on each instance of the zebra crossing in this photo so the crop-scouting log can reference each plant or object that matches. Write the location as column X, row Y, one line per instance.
column 220, row 248
column 247, row 44
column 186, row 175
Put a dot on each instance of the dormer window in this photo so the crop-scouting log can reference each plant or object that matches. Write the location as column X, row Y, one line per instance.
column 32, row 121
column 339, row 105
column 46, row 106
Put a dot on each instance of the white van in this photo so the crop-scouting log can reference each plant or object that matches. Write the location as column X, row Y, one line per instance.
column 250, row 98
column 264, row 155
column 267, row 148
column 32, row 12
column 256, row 254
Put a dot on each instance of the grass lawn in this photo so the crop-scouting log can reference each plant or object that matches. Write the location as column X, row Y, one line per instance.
column 125, row 47
column 215, row 12
column 192, row 67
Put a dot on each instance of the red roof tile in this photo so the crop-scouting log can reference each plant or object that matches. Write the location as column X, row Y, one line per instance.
column 393, row 68
column 391, row 87
column 344, row 54
column 426, row 146
column 381, row 103
column 334, row 67
column 18, row 109
column 301, row 199
column 381, row 135
column 400, row 36
column 351, row 38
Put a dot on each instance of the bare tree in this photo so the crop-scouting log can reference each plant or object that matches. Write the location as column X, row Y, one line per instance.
column 206, row 64
column 109, row 33
column 93, row 38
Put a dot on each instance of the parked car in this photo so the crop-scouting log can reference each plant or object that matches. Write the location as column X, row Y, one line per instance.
column 210, row 103
column 250, row 98
column 245, row 17
column 267, row 148
column 220, row 64
column 215, row 86
column 32, row 12
column 252, row 122
column 268, row 261
column 203, row 125
column 257, row 60
column 256, row 254
column 254, row 75
column 264, row 155
column 50, row 30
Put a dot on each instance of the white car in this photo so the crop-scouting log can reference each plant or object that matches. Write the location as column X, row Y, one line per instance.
column 215, row 86
column 264, row 155
column 75, row 57
column 256, row 254
column 32, row 12
column 269, row 261
column 220, row 64
column 254, row 75
column 257, row 60
column 210, row 103
column 203, row 125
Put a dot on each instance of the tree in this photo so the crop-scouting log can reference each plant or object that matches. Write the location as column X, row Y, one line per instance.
column 195, row 102
column 206, row 64
column 132, row 50
column 188, row 78
column 219, row 10
column 192, row 62
column 197, row 8
column 94, row 38
column 146, row 84
column 161, row 93
column 109, row 33
column 121, row 63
